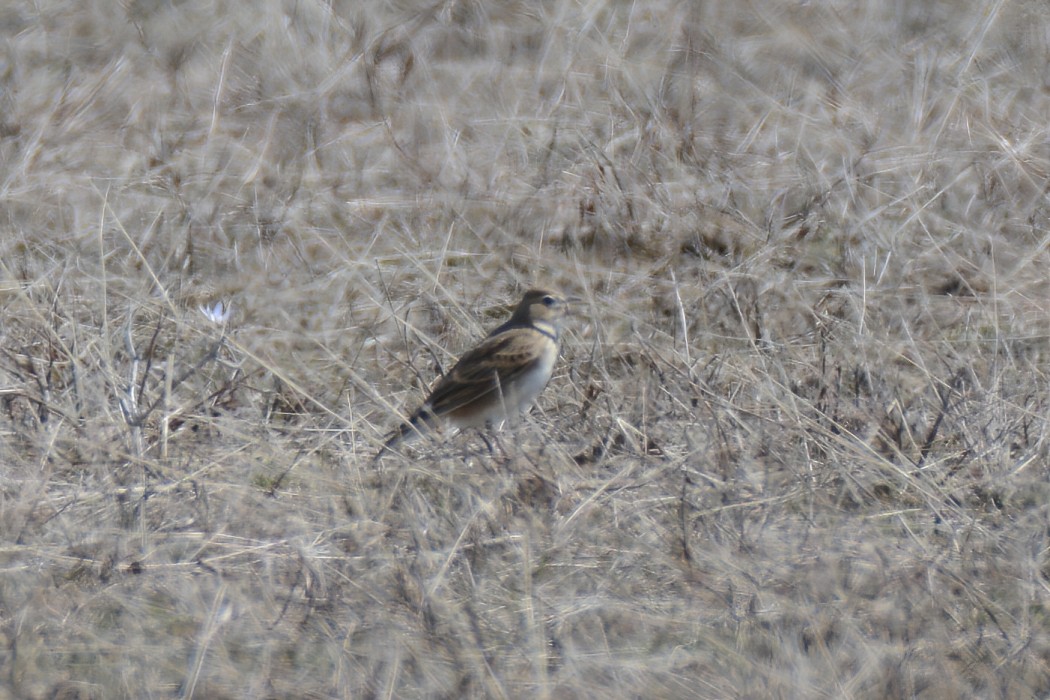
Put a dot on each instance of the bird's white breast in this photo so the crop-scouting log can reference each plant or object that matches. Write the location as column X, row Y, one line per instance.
column 532, row 382
column 519, row 395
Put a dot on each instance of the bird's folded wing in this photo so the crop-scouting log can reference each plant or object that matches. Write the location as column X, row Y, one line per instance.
column 492, row 366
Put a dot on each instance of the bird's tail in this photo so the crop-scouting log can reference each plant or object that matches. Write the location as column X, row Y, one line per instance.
column 420, row 423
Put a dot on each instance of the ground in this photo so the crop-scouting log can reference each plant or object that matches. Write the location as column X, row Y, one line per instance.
column 797, row 443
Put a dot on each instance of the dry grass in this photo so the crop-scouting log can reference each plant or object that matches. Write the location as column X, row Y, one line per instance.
column 798, row 442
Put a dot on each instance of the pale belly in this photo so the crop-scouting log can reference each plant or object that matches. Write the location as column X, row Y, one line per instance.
column 512, row 400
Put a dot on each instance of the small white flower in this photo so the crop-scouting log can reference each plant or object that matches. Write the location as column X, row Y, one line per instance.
column 218, row 314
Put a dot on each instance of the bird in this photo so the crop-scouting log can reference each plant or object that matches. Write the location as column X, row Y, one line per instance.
column 498, row 379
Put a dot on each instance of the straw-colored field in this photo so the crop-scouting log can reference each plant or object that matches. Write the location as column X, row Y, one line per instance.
column 797, row 444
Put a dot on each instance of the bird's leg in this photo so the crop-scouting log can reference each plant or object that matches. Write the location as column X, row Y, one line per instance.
column 484, row 438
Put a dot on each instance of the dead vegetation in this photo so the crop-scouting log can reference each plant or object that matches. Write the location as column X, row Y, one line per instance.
column 797, row 445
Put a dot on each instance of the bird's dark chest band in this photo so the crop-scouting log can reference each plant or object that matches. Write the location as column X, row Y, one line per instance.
column 547, row 330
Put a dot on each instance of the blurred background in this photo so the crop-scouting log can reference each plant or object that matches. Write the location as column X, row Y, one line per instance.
column 797, row 443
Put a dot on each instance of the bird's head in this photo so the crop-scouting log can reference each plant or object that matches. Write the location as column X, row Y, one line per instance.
column 542, row 306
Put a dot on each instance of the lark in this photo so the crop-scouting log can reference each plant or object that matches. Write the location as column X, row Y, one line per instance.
column 500, row 378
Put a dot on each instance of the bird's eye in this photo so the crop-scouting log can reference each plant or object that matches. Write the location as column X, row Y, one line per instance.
column 549, row 301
